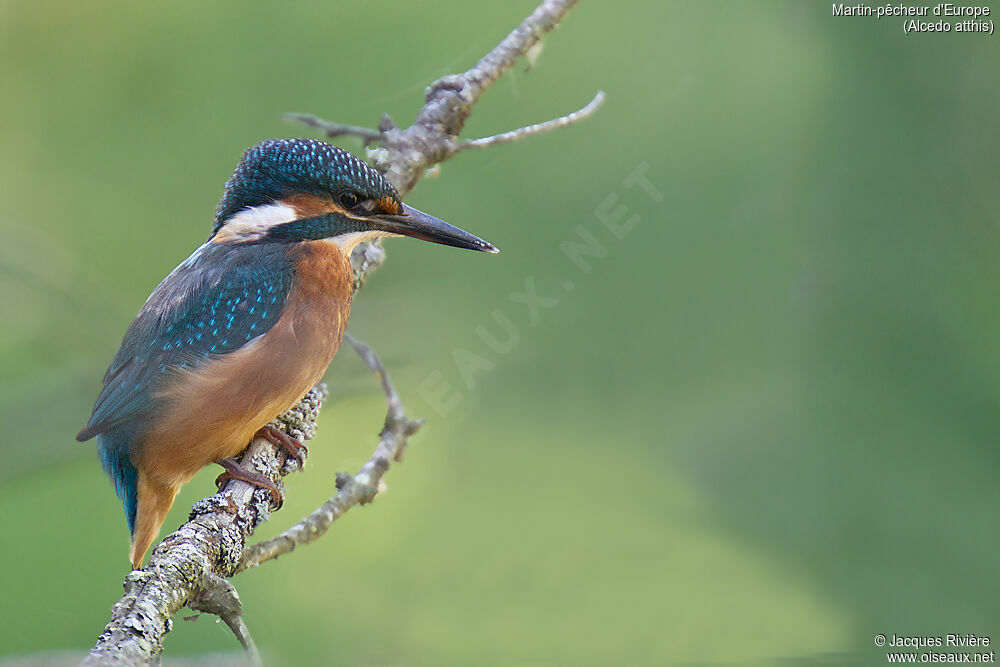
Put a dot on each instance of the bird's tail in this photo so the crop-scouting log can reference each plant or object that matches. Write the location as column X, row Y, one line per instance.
column 155, row 500
column 146, row 501
column 113, row 448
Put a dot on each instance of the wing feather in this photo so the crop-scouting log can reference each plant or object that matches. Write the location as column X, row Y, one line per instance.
column 216, row 301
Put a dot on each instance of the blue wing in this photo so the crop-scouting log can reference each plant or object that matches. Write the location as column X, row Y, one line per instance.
column 216, row 301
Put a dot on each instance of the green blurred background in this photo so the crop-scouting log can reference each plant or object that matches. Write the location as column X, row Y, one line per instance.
column 762, row 428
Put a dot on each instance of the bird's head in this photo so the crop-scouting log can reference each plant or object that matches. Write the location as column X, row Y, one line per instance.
column 287, row 190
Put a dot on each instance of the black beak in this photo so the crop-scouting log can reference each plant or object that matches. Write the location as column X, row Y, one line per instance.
column 419, row 225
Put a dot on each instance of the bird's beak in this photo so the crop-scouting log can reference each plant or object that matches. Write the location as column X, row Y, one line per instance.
column 419, row 225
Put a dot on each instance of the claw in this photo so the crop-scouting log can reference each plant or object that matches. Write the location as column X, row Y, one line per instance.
column 234, row 470
column 291, row 446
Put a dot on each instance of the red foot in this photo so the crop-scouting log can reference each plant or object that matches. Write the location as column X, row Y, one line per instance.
column 292, row 447
column 235, row 471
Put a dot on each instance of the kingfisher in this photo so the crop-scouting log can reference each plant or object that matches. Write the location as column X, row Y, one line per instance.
column 243, row 328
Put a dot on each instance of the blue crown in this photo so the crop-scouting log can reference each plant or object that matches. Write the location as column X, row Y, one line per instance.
column 276, row 168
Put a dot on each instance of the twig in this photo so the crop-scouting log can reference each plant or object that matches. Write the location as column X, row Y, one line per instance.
column 359, row 489
column 332, row 130
column 538, row 128
column 395, row 410
column 222, row 600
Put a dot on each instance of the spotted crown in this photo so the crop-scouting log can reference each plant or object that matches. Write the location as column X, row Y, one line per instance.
column 276, row 168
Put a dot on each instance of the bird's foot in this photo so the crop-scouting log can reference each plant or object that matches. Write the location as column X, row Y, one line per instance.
column 235, row 471
column 291, row 446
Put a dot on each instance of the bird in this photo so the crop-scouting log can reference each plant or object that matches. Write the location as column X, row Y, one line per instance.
column 245, row 326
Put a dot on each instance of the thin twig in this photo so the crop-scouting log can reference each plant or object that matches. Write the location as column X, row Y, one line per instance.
column 221, row 599
column 537, row 128
column 373, row 362
column 359, row 489
column 333, row 129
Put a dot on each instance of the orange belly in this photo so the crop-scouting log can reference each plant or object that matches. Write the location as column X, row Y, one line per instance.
column 212, row 413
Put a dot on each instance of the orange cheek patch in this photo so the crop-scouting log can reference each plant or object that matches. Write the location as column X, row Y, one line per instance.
column 312, row 206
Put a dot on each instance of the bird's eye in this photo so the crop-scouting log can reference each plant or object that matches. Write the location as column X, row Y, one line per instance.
column 348, row 200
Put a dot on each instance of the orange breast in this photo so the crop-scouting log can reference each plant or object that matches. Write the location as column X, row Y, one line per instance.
column 212, row 412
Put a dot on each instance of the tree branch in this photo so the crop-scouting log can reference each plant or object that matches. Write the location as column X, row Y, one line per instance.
column 406, row 154
column 189, row 567
column 191, row 560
